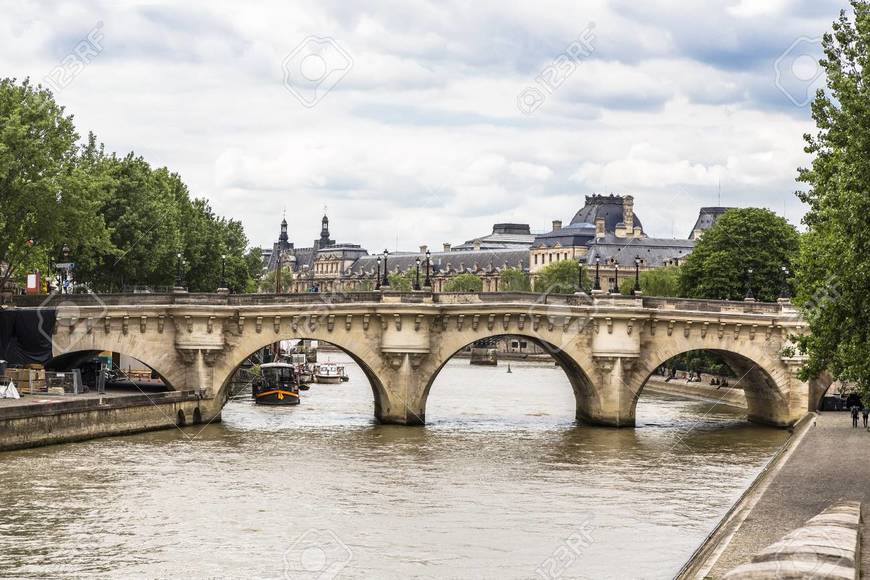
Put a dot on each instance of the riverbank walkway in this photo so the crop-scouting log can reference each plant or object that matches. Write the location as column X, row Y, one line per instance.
column 830, row 464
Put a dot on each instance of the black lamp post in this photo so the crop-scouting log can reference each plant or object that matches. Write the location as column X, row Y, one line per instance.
column 749, row 294
column 785, row 293
column 385, row 282
column 636, row 274
column 428, row 282
column 178, row 275
column 378, row 279
column 615, row 289
column 64, row 251
column 597, row 285
column 223, row 270
column 417, row 278
column 579, row 274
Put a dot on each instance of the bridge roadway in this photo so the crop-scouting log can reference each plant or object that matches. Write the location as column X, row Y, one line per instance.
column 607, row 345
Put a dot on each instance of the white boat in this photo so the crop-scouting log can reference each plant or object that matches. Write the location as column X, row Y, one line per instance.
column 329, row 373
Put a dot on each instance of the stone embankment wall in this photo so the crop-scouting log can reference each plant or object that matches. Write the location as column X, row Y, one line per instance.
column 732, row 396
column 64, row 421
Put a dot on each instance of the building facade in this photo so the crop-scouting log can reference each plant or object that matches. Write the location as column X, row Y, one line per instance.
column 605, row 234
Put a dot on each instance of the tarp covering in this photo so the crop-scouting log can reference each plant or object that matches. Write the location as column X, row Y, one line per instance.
column 25, row 335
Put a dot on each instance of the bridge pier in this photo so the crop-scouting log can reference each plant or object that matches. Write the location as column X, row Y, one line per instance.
column 611, row 402
column 404, row 393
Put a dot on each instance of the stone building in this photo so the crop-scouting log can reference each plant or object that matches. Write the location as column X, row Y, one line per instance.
column 605, row 232
column 320, row 265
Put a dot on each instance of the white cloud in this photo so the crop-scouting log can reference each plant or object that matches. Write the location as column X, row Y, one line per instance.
column 422, row 138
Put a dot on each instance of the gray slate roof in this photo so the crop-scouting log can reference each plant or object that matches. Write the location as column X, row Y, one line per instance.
column 654, row 252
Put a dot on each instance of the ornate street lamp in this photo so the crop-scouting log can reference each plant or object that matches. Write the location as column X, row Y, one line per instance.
column 385, row 282
column 615, row 289
column 580, row 275
column 179, row 276
column 785, row 293
column 223, row 270
column 417, row 276
column 597, row 285
column 749, row 294
column 636, row 274
column 428, row 282
column 378, row 279
column 64, row 268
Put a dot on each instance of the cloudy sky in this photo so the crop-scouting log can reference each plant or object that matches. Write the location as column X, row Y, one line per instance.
column 425, row 122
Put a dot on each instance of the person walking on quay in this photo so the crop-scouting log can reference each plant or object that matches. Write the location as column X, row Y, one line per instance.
column 854, row 416
column 865, row 412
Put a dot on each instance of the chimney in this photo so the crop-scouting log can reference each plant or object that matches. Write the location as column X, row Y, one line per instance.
column 477, row 245
column 423, row 249
column 628, row 213
column 599, row 227
column 446, row 247
column 557, row 225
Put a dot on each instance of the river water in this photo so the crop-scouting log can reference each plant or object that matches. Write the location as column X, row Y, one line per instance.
column 500, row 484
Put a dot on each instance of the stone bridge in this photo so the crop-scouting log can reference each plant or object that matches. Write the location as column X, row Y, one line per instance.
column 607, row 345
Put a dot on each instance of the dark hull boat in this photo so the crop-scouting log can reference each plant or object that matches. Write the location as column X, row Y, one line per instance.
column 278, row 385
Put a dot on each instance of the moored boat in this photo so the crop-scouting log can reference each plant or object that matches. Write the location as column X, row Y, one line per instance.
column 277, row 385
column 329, row 373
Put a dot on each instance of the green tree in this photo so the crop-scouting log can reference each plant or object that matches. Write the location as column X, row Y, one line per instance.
column 740, row 240
column 268, row 283
column 465, row 282
column 657, row 282
column 833, row 273
column 401, row 282
column 49, row 196
column 560, row 278
column 513, row 280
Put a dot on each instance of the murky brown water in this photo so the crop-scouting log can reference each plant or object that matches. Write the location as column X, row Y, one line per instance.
column 500, row 484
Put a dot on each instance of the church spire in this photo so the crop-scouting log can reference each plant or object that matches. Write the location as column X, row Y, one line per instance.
column 283, row 238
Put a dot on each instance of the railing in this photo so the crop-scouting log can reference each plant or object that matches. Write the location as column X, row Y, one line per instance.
column 330, row 298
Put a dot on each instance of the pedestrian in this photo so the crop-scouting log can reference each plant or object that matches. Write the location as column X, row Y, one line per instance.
column 865, row 412
column 854, row 416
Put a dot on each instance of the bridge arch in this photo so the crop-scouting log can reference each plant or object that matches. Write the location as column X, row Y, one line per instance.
column 581, row 383
column 75, row 358
column 368, row 360
column 765, row 380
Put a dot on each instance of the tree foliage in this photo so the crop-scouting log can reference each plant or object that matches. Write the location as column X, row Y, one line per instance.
column 560, row 278
column 465, row 282
column 124, row 221
column 658, row 282
column 741, row 240
column 49, row 192
column 833, row 274
column 268, row 283
column 513, row 280
column 401, row 282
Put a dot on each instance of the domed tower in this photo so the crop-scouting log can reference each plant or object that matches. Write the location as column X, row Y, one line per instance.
column 283, row 238
column 324, row 241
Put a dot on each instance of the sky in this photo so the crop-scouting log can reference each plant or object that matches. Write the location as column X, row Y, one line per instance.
column 415, row 122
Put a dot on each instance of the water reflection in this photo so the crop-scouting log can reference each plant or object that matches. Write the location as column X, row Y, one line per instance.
column 493, row 485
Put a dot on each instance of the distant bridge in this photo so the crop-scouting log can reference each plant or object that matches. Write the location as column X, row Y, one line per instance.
column 607, row 345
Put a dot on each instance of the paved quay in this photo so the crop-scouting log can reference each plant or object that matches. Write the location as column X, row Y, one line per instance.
column 40, row 400
column 830, row 464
